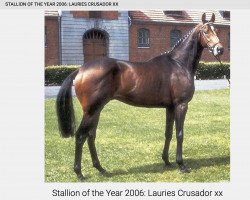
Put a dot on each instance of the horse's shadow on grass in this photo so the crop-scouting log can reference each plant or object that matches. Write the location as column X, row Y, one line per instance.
column 194, row 164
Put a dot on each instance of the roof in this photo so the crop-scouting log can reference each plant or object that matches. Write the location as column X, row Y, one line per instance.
column 188, row 16
column 50, row 13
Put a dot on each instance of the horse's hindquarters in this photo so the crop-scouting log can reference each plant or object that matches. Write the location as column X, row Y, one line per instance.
column 93, row 88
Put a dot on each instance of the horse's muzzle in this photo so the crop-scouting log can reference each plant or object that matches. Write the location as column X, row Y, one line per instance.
column 218, row 50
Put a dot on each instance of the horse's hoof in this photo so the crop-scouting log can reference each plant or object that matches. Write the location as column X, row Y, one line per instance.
column 80, row 177
column 168, row 165
column 106, row 174
column 184, row 169
column 101, row 170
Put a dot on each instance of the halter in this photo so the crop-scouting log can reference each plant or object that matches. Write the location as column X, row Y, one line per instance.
column 207, row 40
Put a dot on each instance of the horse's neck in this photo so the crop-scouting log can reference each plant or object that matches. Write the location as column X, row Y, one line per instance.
column 188, row 54
column 196, row 59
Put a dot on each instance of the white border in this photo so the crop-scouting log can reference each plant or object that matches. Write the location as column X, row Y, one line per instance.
column 22, row 113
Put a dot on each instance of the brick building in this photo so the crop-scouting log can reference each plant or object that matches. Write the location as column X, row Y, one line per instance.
column 126, row 35
column 159, row 30
column 86, row 35
column 51, row 38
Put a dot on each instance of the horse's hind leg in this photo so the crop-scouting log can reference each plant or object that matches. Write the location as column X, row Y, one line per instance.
column 91, row 144
column 94, row 88
column 85, row 130
column 80, row 139
column 168, row 134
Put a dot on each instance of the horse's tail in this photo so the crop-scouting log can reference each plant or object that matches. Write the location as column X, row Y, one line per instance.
column 64, row 107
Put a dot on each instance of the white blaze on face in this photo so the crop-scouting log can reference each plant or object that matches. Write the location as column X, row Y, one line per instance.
column 215, row 49
column 212, row 28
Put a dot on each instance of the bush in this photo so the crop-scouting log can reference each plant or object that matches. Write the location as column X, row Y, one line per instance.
column 54, row 75
column 213, row 70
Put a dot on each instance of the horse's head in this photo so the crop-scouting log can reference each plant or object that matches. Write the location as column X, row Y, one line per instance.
column 208, row 36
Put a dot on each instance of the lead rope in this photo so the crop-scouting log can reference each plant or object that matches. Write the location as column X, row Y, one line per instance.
column 218, row 58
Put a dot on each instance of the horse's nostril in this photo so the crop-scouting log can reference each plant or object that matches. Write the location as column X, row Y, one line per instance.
column 220, row 50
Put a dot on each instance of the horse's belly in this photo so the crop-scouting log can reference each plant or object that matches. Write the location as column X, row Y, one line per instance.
column 145, row 99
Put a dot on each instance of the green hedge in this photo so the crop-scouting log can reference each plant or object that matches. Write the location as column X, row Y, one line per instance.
column 54, row 75
column 213, row 70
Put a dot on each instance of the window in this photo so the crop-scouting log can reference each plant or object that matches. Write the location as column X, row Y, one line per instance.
column 175, row 35
column 143, row 38
column 45, row 37
column 95, row 14
column 173, row 13
column 225, row 14
column 94, row 34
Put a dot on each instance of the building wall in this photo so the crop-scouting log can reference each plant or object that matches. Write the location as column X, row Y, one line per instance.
column 113, row 15
column 122, row 41
column 160, row 41
column 73, row 29
column 52, row 47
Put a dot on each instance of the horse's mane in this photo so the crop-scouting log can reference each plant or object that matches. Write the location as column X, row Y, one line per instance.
column 181, row 40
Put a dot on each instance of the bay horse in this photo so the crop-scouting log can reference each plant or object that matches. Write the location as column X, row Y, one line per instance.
column 165, row 81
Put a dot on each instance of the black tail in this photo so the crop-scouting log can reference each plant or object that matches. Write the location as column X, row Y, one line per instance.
column 64, row 107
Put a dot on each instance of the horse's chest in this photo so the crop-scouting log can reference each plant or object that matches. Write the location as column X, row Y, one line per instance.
column 182, row 87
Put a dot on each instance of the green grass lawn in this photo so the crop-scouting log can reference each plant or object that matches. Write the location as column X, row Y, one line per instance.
column 130, row 142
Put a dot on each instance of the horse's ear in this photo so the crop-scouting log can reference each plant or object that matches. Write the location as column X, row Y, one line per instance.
column 203, row 18
column 212, row 18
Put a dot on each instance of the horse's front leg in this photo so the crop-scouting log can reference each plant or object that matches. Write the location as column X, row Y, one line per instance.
column 168, row 134
column 180, row 113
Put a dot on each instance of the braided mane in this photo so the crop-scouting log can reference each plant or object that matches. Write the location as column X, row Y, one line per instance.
column 180, row 41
